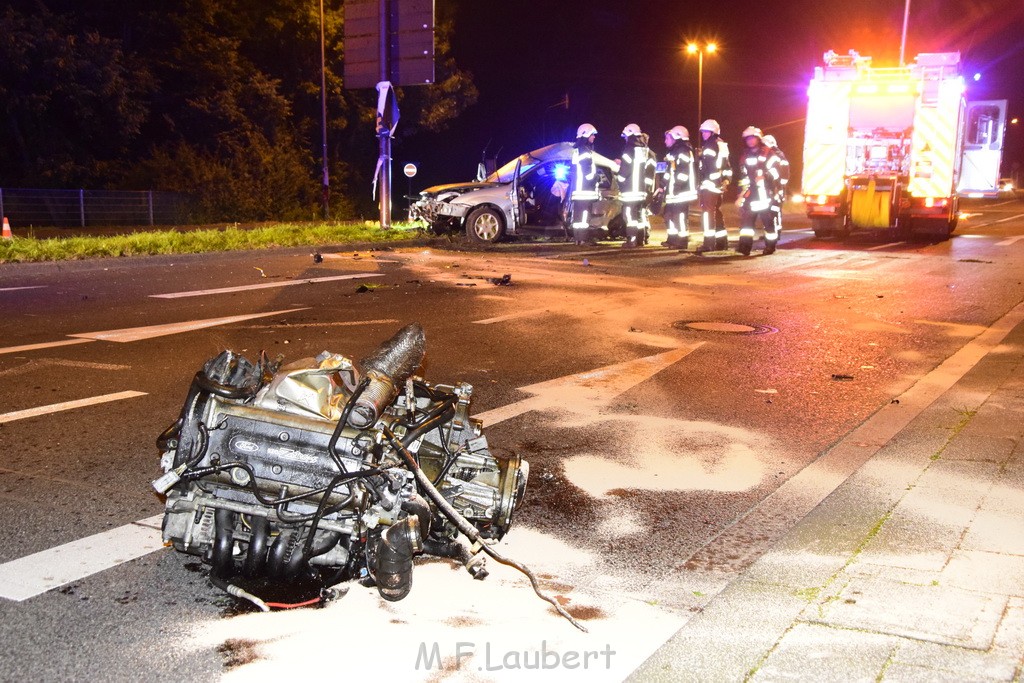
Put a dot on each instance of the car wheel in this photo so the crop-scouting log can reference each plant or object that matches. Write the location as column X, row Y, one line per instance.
column 485, row 225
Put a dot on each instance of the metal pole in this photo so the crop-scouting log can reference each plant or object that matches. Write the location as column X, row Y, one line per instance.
column 903, row 40
column 700, row 83
column 325, row 183
column 150, row 195
column 1, row 201
column 385, row 135
column 81, row 206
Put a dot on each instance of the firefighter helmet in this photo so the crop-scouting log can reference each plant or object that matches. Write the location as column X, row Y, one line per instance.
column 678, row 132
column 770, row 141
column 711, row 126
column 586, row 130
column 752, row 131
column 631, row 130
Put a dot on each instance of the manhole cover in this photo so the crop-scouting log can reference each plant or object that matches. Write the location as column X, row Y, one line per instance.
column 724, row 327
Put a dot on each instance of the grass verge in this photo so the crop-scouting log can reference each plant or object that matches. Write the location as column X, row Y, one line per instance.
column 27, row 249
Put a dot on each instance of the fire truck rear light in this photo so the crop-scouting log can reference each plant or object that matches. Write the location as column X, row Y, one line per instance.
column 821, row 199
column 929, row 203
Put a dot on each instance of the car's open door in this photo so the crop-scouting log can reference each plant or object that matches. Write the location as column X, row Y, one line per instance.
column 516, row 200
column 983, row 148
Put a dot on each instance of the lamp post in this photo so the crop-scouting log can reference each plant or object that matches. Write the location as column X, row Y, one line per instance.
column 325, row 183
column 696, row 49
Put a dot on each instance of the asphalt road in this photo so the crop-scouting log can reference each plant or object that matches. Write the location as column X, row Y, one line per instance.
column 646, row 483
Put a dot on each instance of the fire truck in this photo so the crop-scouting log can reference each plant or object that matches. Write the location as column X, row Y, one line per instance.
column 896, row 147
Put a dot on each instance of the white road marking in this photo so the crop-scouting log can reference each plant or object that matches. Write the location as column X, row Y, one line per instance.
column 35, row 574
column 511, row 316
column 1008, row 242
column 264, row 285
column 13, row 289
column 45, row 345
column 884, row 246
column 131, row 334
column 343, row 323
column 68, row 405
column 1001, row 220
column 588, row 389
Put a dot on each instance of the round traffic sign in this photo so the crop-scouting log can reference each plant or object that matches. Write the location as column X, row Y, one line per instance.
column 409, row 170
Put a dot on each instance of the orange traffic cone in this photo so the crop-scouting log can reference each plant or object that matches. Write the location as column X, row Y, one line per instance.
column 7, row 229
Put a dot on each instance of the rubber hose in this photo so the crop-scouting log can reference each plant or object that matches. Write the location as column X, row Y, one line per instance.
column 393, row 565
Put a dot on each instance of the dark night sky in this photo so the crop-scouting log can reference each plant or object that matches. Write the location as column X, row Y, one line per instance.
column 621, row 62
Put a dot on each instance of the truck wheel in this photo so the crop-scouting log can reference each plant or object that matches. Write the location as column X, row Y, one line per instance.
column 485, row 225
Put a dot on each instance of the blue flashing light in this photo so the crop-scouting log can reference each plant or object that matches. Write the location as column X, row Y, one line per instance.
column 561, row 172
column 977, row 76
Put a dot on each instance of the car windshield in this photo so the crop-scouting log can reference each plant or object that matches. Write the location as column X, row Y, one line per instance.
column 505, row 173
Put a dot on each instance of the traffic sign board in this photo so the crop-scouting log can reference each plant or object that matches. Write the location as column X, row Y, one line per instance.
column 409, row 170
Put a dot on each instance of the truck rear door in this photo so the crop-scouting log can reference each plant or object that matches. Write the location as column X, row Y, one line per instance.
column 983, row 148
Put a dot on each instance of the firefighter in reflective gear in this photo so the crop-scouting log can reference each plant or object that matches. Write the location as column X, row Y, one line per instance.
column 715, row 174
column 679, row 184
column 637, row 167
column 780, row 195
column 759, row 181
column 585, row 193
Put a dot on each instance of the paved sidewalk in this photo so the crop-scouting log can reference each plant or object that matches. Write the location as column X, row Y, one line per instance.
column 911, row 570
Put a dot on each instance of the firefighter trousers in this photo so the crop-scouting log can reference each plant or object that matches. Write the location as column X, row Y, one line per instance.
column 677, row 221
column 713, row 223
column 635, row 214
column 748, row 224
column 582, row 209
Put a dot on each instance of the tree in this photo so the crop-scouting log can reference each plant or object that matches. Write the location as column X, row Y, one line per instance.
column 216, row 98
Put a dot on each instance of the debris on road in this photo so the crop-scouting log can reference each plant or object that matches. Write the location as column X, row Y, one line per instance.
column 842, row 378
column 262, row 274
column 503, row 281
column 318, row 257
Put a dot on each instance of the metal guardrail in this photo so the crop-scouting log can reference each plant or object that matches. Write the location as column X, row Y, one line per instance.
column 82, row 208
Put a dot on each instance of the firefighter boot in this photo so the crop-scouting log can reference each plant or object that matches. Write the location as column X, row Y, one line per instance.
column 683, row 242
column 745, row 245
column 721, row 241
column 580, row 235
column 634, row 237
column 771, row 240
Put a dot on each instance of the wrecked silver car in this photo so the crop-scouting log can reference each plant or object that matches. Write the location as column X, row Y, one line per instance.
column 329, row 470
column 527, row 196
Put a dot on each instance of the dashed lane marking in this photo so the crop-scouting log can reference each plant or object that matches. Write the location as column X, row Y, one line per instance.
column 1008, row 242
column 264, row 285
column 511, row 316
column 45, row 345
column 336, row 323
column 14, row 289
column 884, row 246
column 1001, row 220
column 131, row 334
column 67, row 405
column 35, row 574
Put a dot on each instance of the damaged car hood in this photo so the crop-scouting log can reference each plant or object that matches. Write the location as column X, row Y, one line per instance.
column 458, row 188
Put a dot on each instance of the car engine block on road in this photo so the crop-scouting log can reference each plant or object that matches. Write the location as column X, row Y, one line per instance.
column 329, row 470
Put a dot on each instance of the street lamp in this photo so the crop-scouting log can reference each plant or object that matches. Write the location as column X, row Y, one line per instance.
column 696, row 49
